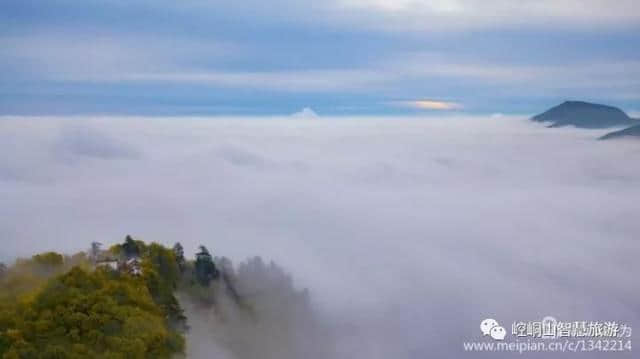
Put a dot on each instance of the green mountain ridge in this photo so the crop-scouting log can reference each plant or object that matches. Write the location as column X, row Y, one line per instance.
column 122, row 302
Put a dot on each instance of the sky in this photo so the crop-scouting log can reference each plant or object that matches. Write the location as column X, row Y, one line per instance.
column 407, row 231
column 335, row 57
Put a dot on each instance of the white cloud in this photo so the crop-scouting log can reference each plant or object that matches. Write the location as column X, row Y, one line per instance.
column 439, row 15
column 390, row 222
column 634, row 113
column 302, row 80
column 104, row 56
column 305, row 113
column 580, row 74
column 82, row 140
column 397, row 77
column 429, row 15
column 429, row 104
column 109, row 59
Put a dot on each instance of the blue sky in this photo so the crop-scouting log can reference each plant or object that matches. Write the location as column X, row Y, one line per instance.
column 338, row 57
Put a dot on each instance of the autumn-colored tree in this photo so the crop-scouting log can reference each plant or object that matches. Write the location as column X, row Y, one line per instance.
column 87, row 313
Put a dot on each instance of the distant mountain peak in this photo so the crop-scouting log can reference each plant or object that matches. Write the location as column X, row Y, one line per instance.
column 585, row 115
column 633, row 131
column 575, row 102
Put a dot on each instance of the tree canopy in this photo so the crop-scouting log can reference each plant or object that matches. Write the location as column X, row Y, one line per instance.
column 53, row 306
column 205, row 268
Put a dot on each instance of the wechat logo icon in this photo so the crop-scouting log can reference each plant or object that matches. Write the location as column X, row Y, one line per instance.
column 492, row 328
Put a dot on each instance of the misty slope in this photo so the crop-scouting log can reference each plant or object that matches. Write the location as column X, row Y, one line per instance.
column 633, row 131
column 253, row 312
column 584, row 115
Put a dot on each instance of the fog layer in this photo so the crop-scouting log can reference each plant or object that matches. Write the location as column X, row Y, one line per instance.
column 407, row 232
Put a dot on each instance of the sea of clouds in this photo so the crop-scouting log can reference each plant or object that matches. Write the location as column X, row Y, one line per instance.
column 408, row 232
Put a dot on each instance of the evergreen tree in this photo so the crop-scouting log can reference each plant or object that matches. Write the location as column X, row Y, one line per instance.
column 94, row 252
column 130, row 248
column 205, row 269
column 3, row 270
column 178, row 252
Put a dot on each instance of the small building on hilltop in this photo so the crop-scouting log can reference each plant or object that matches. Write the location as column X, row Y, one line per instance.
column 109, row 263
column 132, row 266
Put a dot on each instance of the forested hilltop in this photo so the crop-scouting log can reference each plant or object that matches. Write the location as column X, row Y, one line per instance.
column 119, row 302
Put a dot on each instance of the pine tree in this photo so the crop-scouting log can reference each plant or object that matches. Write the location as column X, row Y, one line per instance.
column 94, row 252
column 130, row 248
column 178, row 252
column 205, row 269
